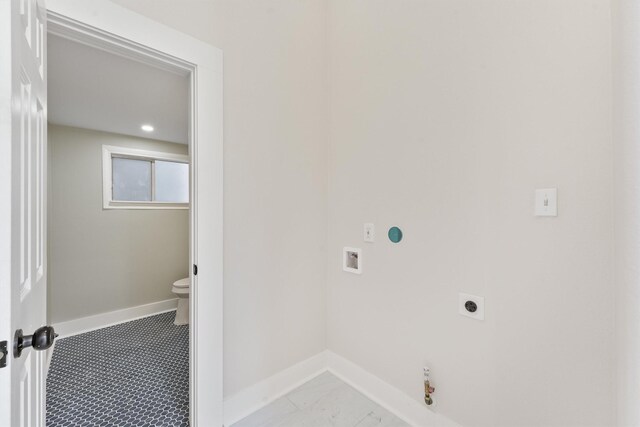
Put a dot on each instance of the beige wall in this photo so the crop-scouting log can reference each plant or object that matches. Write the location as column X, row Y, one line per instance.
column 275, row 195
column 104, row 260
column 445, row 116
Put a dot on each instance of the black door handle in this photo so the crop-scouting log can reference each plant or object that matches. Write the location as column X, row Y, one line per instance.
column 41, row 339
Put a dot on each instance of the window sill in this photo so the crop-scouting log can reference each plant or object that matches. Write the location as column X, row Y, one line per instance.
column 144, row 205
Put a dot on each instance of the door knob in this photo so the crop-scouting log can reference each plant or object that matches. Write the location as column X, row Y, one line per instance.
column 41, row 339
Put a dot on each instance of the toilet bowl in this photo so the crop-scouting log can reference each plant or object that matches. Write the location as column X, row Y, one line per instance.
column 181, row 289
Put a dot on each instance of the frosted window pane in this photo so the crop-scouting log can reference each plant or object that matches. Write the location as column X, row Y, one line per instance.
column 131, row 180
column 172, row 182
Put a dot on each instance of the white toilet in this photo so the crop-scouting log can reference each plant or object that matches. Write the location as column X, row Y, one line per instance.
column 181, row 289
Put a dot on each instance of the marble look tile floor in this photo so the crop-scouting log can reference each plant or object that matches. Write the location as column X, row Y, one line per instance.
column 322, row 402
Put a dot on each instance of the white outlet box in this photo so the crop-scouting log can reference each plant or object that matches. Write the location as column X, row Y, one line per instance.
column 471, row 306
column 352, row 260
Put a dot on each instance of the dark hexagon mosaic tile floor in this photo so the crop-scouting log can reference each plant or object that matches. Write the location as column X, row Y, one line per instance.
column 132, row 374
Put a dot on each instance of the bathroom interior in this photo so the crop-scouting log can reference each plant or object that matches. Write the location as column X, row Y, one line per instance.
column 118, row 236
column 429, row 217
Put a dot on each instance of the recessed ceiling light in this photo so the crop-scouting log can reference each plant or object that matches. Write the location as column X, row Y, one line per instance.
column 147, row 128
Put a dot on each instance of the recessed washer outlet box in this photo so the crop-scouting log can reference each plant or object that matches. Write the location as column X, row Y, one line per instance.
column 471, row 306
column 352, row 260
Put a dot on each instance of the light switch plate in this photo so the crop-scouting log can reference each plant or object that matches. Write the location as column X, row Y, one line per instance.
column 471, row 306
column 369, row 232
column 546, row 202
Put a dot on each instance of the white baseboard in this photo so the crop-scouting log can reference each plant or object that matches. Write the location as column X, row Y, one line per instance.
column 395, row 401
column 90, row 323
column 261, row 394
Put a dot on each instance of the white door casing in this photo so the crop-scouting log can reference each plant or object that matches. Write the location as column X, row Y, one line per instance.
column 104, row 25
column 23, row 151
column 110, row 27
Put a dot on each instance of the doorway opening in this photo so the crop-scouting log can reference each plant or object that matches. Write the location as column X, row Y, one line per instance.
column 118, row 236
column 23, row 252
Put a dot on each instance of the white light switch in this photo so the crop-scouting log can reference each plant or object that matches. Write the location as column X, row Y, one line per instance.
column 547, row 202
column 369, row 232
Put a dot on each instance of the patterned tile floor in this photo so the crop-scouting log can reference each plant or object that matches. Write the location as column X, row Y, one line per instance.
column 132, row 374
column 324, row 401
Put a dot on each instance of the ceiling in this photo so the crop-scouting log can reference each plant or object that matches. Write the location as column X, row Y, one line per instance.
column 94, row 89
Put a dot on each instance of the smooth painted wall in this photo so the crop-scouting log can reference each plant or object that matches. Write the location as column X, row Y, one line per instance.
column 275, row 175
column 626, row 114
column 104, row 260
column 441, row 117
column 445, row 116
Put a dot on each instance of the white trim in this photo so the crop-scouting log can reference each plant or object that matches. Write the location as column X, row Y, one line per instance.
column 411, row 410
column 261, row 394
column 107, row 26
column 143, row 154
column 113, row 28
column 91, row 323
column 146, row 205
column 111, row 151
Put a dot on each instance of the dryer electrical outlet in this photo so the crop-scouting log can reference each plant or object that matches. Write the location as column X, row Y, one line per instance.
column 471, row 306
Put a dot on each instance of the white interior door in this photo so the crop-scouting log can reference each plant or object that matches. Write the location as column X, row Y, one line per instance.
column 23, row 151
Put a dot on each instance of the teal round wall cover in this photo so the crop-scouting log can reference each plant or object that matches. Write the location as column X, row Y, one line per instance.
column 395, row 234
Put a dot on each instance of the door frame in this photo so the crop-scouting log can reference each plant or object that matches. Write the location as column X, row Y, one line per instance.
column 104, row 25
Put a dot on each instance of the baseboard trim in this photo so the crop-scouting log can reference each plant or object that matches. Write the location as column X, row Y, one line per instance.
column 392, row 399
column 91, row 323
column 261, row 394
column 395, row 401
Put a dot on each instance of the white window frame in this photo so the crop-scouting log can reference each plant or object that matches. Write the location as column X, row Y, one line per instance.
column 111, row 151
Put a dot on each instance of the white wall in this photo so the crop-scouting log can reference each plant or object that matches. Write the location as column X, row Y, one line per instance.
column 444, row 118
column 104, row 260
column 626, row 111
column 275, row 112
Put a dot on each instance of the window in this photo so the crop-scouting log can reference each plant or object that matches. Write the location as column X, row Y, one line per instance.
column 140, row 179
